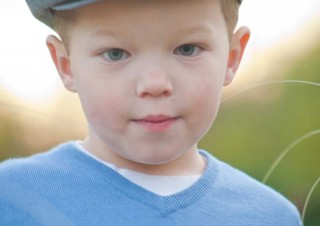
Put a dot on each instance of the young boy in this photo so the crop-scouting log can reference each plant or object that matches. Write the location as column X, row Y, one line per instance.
column 149, row 74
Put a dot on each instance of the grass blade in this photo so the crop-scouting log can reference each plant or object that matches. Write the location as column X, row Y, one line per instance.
column 267, row 84
column 286, row 151
column 308, row 198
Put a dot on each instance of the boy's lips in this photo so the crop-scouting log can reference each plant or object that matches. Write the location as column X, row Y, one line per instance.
column 156, row 123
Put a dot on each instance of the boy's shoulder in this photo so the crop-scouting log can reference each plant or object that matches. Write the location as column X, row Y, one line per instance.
column 56, row 161
column 249, row 196
column 36, row 161
column 20, row 181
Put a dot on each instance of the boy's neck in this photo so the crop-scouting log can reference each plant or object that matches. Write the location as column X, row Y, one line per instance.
column 190, row 163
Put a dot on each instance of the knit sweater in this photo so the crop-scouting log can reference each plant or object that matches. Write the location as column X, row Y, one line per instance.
column 67, row 187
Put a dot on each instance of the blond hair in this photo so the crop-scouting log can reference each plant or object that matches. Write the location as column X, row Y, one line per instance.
column 62, row 23
column 230, row 11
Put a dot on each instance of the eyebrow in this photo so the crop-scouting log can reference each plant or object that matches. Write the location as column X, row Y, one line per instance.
column 186, row 33
column 109, row 32
column 205, row 32
column 190, row 29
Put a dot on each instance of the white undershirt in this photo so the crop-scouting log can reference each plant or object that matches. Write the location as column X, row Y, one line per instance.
column 160, row 185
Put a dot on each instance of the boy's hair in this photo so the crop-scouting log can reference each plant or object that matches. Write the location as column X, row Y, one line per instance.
column 62, row 23
column 64, row 20
column 230, row 11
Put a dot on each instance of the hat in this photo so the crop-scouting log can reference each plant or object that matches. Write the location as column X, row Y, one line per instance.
column 42, row 9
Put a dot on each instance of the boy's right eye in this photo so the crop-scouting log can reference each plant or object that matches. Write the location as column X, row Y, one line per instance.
column 115, row 54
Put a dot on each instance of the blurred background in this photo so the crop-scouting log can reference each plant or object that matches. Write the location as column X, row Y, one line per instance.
column 274, row 100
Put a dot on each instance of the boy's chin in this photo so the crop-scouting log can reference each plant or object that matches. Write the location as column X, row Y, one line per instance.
column 148, row 163
column 153, row 159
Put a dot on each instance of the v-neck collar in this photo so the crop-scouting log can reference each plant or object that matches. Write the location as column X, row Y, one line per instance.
column 165, row 205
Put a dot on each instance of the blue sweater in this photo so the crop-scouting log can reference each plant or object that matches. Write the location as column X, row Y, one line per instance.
column 66, row 187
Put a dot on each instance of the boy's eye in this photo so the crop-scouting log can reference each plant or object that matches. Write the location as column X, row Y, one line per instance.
column 187, row 50
column 115, row 54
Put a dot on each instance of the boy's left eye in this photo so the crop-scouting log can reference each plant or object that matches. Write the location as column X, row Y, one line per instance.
column 187, row 50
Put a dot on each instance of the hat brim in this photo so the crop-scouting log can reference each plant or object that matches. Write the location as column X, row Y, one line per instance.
column 72, row 4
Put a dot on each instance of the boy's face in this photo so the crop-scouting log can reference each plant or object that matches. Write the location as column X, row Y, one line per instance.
column 149, row 75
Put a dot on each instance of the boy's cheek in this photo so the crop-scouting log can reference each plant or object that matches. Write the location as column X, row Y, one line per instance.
column 205, row 97
column 97, row 108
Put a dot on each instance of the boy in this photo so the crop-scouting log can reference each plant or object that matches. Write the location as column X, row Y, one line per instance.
column 149, row 74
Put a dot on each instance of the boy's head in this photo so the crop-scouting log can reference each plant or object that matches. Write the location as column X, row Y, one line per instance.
column 149, row 75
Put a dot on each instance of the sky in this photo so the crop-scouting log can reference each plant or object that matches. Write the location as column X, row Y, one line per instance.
column 27, row 70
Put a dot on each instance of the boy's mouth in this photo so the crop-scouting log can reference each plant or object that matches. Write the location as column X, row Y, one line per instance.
column 156, row 123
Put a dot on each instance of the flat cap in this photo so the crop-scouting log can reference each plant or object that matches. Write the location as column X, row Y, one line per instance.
column 42, row 9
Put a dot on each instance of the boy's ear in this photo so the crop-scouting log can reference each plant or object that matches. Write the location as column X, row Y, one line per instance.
column 237, row 46
column 61, row 59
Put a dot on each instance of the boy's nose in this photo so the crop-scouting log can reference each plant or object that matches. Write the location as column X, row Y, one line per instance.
column 154, row 83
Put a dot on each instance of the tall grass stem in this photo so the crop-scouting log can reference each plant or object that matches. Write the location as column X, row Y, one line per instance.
column 308, row 198
column 287, row 150
column 267, row 84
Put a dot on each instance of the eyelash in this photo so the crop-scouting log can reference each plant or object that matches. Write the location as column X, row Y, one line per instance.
column 123, row 54
column 106, row 54
column 194, row 51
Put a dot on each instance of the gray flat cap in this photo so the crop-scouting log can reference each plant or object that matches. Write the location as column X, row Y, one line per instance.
column 42, row 9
